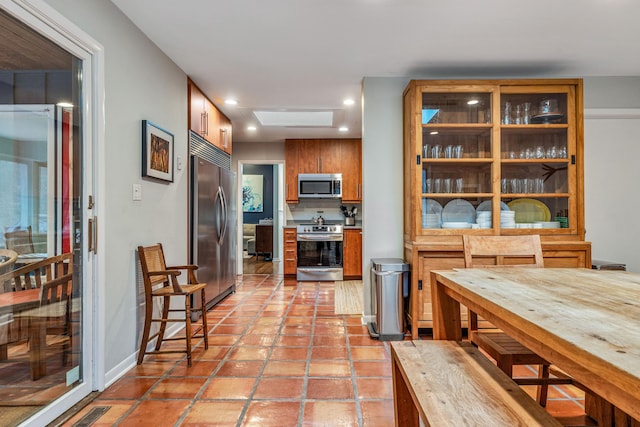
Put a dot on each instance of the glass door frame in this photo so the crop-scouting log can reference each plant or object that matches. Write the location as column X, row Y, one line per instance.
column 47, row 21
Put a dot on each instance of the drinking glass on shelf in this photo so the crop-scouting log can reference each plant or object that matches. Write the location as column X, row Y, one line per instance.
column 446, row 185
column 436, row 151
column 426, row 151
column 448, row 151
column 538, row 185
column 458, row 185
column 562, row 152
column 458, row 150
column 429, row 185
column 504, row 185
column 526, row 113
column 540, row 152
column 437, row 185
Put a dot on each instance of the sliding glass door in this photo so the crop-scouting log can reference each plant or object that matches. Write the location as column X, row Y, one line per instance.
column 45, row 208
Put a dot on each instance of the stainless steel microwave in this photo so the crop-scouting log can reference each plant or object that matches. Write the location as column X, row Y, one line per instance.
column 320, row 186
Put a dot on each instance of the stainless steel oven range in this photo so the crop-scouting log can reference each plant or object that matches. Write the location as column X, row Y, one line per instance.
column 319, row 252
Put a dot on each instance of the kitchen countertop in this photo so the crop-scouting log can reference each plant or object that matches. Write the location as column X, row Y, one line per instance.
column 294, row 224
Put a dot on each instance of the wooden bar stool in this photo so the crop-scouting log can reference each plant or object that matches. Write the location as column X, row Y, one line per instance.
column 154, row 273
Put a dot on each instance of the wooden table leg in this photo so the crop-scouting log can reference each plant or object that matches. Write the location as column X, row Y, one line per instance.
column 447, row 322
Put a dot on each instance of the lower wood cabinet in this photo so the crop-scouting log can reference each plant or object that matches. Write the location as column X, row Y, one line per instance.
column 352, row 247
column 290, row 251
column 425, row 258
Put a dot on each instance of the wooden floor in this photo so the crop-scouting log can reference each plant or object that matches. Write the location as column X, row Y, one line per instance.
column 257, row 265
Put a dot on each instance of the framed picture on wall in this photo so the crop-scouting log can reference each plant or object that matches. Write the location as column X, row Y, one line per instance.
column 252, row 193
column 157, row 152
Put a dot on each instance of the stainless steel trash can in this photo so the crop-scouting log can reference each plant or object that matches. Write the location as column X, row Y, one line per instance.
column 390, row 280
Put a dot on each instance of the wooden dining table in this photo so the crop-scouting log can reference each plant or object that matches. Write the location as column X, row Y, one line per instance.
column 26, row 304
column 586, row 322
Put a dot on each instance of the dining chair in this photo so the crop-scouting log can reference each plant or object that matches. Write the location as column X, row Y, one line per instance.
column 8, row 259
column 55, row 314
column 508, row 251
column 19, row 239
column 29, row 277
column 161, row 281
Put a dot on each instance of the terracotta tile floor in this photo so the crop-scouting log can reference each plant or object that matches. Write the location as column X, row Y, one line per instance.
column 278, row 356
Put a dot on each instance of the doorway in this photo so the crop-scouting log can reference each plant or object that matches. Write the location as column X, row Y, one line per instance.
column 261, row 204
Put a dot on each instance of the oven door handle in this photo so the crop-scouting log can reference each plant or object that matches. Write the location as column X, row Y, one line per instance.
column 320, row 237
column 316, row 270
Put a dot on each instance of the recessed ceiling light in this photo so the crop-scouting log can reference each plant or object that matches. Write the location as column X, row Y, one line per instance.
column 349, row 101
column 435, row 132
column 230, row 101
column 343, row 129
column 472, row 102
column 251, row 128
column 65, row 104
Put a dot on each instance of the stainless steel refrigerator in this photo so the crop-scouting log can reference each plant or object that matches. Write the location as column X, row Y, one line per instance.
column 213, row 229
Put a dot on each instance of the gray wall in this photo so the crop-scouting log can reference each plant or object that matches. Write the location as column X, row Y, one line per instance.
column 140, row 83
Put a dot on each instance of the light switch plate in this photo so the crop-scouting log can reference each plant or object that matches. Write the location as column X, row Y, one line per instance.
column 179, row 162
column 137, row 192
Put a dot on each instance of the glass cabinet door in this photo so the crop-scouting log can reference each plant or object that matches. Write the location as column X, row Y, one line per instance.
column 537, row 146
column 457, row 158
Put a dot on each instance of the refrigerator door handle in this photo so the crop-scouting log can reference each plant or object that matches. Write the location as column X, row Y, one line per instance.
column 223, row 201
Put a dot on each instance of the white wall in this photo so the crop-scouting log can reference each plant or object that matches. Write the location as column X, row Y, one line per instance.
column 381, row 175
column 612, row 204
column 140, row 83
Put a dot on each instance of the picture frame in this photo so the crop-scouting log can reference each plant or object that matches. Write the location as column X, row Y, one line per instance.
column 157, row 152
column 252, row 193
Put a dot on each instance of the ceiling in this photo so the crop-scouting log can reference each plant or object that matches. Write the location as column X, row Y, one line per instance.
column 309, row 55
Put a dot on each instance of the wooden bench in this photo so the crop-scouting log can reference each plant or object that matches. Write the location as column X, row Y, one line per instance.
column 446, row 383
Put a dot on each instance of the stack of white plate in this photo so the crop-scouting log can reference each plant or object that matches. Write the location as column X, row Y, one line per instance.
column 507, row 219
column 483, row 219
column 430, row 220
column 455, row 224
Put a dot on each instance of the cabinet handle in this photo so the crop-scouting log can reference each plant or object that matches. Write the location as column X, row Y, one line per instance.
column 223, row 136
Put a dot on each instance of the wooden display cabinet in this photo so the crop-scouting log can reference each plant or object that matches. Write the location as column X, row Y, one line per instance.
column 352, row 248
column 290, row 251
column 474, row 150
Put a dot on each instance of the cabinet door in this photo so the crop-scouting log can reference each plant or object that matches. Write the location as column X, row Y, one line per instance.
column 291, row 170
column 457, row 159
column 308, row 156
column 330, row 155
column 197, row 111
column 351, row 154
column 290, row 251
column 225, row 133
column 352, row 253
column 539, row 173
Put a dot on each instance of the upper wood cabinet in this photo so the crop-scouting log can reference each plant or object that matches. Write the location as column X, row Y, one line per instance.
column 291, row 170
column 325, row 156
column 207, row 121
column 351, row 154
